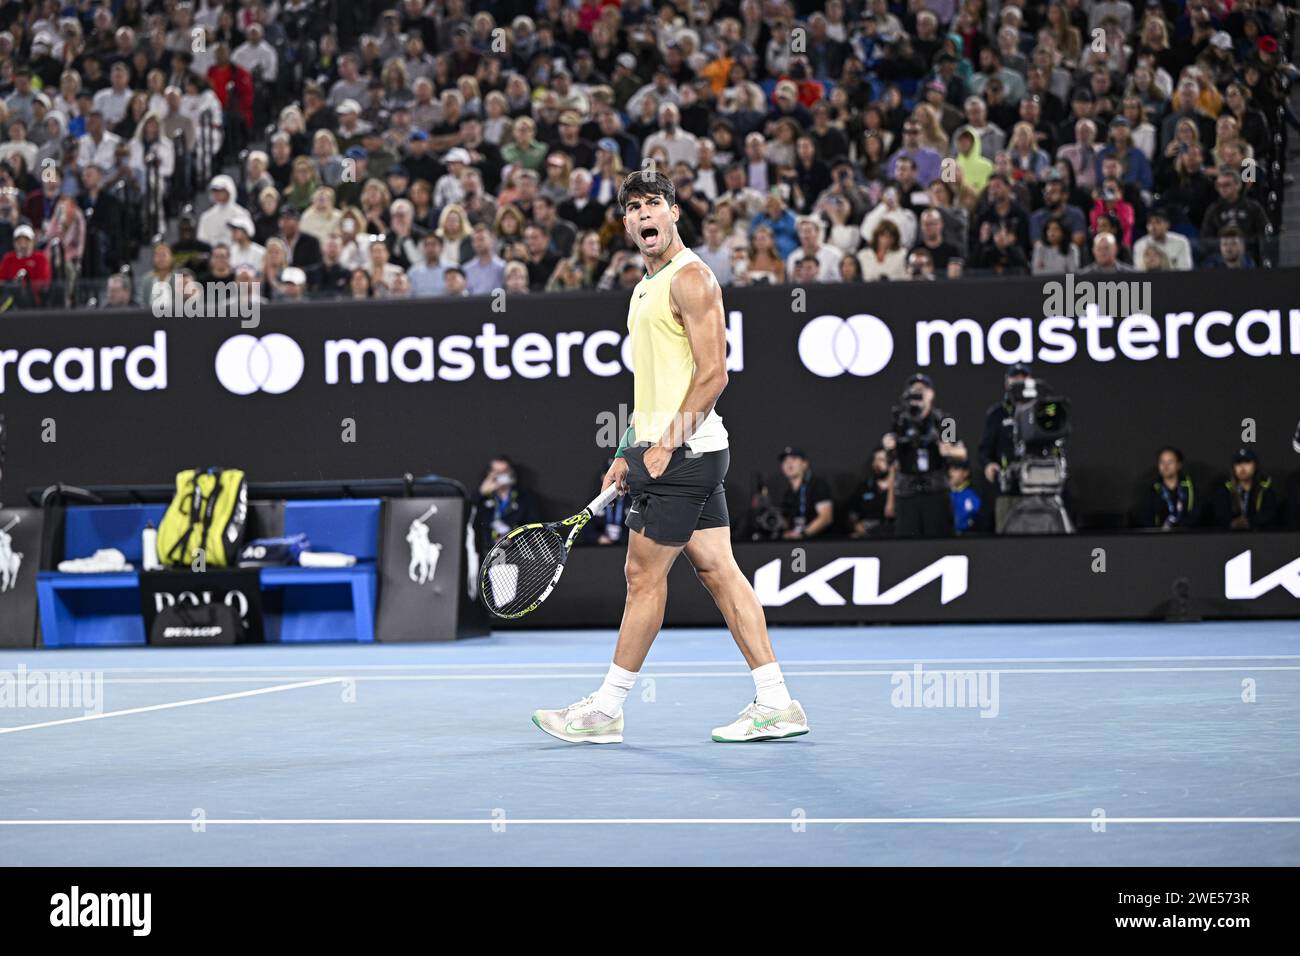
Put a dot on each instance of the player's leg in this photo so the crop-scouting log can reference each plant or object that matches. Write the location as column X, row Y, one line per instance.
column 772, row 714
column 646, row 570
column 598, row 718
column 710, row 554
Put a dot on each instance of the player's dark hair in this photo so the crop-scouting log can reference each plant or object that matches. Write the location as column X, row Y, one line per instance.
column 644, row 183
column 1173, row 451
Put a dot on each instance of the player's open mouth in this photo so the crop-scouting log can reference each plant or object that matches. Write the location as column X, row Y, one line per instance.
column 649, row 233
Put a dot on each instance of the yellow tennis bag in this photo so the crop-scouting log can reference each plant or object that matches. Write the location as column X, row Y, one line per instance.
column 208, row 515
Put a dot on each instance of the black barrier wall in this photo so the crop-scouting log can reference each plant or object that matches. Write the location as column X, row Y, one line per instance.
column 1141, row 576
column 339, row 390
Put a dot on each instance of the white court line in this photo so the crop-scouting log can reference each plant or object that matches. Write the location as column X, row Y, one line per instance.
column 421, row 678
column 173, row 704
column 655, row 821
column 216, row 668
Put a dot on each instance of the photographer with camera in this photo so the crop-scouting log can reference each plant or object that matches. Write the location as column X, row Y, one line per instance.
column 917, row 449
column 503, row 505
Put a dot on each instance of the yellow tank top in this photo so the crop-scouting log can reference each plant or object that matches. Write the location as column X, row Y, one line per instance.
column 662, row 364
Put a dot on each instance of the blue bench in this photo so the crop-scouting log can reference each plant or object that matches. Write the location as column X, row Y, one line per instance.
column 299, row 604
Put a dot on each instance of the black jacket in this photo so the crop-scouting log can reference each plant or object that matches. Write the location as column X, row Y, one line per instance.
column 1260, row 512
column 1180, row 508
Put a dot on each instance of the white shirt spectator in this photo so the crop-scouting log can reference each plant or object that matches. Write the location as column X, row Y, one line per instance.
column 681, row 146
column 904, row 219
column 112, row 104
column 163, row 149
column 26, row 149
column 253, row 55
column 102, row 154
column 1175, row 246
column 828, row 262
column 214, row 226
column 250, row 255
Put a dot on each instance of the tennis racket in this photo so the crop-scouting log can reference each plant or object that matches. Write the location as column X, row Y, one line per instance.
column 522, row 569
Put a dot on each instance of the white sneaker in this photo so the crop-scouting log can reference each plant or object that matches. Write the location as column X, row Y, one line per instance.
column 103, row 560
column 758, row 722
column 581, row 723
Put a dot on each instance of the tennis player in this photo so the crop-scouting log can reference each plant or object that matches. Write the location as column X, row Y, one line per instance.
column 672, row 461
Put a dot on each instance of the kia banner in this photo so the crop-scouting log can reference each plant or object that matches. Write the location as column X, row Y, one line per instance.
column 1139, row 576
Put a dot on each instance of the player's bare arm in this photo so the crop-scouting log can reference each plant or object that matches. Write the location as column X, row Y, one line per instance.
column 697, row 305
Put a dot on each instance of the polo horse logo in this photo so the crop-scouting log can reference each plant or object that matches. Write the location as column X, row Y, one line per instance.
column 424, row 550
column 10, row 560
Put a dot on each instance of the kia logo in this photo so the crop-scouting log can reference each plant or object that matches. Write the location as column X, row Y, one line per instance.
column 860, row 345
column 248, row 364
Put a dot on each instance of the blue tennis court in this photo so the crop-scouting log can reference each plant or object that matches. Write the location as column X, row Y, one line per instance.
column 1114, row 744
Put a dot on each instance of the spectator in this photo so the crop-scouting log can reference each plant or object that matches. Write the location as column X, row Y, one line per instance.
column 503, row 504
column 715, row 252
column 1232, row 252
column 486, row 271
column 294, row 284
column 1232, row 209
column 884, row 257
column 329, row 278
column 26, row 268
column 1172, row 503
column 807, row 508
column 1175, row 247
column 214, row 223
column 119, row 292
column 811, row 245
column 1105, row 256
column 243, row 250
column 1054, row 253
column 1246, row 501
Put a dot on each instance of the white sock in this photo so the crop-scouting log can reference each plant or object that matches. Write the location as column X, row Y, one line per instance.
column 771, row 686
column 612, row 693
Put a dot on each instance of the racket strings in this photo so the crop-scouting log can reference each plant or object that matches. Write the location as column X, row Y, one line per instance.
column 520, row 569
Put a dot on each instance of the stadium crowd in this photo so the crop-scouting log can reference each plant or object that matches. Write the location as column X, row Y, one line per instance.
column 379, row 150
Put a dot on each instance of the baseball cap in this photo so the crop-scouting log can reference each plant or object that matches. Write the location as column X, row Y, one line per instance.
column 291, row 212
column 608, row 144
column 293, row 275
column 922, row 378
column 243, row 223
column 397, row 169
column 1242, row 454
column 418, row 134
column 789, row 450
column 24, row 230
column 570, row 118
column 356, row 152
column 456, row 155
column 348, row 106
column 626, row 60
column 1019, row 368
column 1222, row 40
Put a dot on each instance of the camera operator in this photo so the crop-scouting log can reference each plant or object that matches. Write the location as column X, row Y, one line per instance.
column 917, row 451
column 869, row 513
column 807, row 509
column 997, row 446
column 1172, row 503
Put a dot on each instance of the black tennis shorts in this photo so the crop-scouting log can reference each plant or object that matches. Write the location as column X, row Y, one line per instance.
column 687, row 496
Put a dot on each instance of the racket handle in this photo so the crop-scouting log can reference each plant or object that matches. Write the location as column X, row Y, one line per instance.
column 602, row 500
